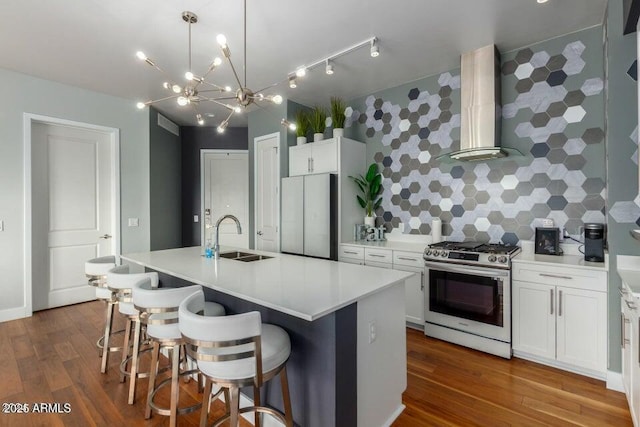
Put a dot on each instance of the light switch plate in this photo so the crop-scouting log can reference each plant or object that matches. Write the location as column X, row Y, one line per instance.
column 2, row 225
column 133, row 222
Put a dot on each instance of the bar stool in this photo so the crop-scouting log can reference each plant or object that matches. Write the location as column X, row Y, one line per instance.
column 233, row 352
column 96, row 270
column 120, row 282
column 159, row 310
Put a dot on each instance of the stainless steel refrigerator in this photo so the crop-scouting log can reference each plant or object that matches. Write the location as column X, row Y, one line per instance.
column 309, row 215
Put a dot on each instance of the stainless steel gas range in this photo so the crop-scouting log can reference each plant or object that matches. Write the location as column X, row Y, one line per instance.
column 468, row 294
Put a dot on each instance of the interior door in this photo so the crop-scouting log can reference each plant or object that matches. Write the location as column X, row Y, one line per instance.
column 72, row 196
column 267, row 197
column 226, row 191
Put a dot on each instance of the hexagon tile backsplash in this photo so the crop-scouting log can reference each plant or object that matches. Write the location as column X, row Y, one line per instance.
column 552, row 112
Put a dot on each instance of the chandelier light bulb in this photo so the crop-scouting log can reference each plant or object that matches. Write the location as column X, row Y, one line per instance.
column 188, row 75
column 277, row 99
column 222, row 127
column 166, row 85
column 375, row 51
column 292, row 82
column 301, row 72
column 237, row 109
column 141, row 105
column 176, row 89
column 141, row 56
column 217, row 61
column 222, row 40
column 329, row 67
column 227, row 88
column 182, row 101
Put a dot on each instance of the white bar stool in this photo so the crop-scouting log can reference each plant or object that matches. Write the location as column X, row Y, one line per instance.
column 120, row 282
column 159, row 310
column 233, row 352
column 96, row 270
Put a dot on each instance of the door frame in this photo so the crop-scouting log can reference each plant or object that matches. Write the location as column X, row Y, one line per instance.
column 29, row 120
column 257, row 140
column 203, row 152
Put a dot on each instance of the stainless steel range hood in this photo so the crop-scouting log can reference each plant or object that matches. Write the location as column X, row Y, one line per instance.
column 480, row 107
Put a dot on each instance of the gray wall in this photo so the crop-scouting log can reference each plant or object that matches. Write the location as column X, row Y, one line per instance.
column 194, row 139
column 22, row 93
column 165, row 170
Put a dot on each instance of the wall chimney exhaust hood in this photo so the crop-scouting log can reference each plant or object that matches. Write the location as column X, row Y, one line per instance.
column 480, row 77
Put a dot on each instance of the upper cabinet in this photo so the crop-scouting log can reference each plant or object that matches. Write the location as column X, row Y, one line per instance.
column 316, row 157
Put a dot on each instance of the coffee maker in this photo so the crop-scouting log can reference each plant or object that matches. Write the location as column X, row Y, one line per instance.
column 594, row 242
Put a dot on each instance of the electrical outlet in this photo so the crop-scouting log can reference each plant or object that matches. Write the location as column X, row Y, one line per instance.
column 401, row 227
column 195, row 218
column 2, row 225
column 133, row 222
column 372, row 331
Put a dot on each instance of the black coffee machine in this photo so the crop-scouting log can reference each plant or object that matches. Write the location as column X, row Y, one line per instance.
column 594, row 242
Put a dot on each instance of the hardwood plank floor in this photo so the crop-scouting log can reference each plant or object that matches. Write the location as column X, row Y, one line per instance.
column 51, row 357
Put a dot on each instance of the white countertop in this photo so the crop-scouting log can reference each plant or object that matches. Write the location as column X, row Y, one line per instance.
column 629, row 271
column 572, row 258
column 303, row 287
column 390, row 244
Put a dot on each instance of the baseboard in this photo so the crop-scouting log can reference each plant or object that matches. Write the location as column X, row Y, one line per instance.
column 614, row 381
column 559, row 365
column 13, row 313
column 394, row 415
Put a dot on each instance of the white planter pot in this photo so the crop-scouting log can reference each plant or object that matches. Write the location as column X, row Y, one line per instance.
column 318, row 137
column 338, row 132
column 370, row 221
column 301, row 140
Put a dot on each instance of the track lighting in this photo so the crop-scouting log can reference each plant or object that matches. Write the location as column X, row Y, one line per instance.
column 301, row 72
column 141, row 105
column 288, row 124
column 200, row 119
column 374, row 48
column 329, row 67
column 292, row 82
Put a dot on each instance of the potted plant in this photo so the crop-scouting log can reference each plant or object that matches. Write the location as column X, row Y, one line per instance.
column 318, row 121
column 337, row 116
column 370, row 186
column 302, row 123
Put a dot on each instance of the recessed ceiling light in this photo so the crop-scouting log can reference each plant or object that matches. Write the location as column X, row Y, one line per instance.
column 542, row 1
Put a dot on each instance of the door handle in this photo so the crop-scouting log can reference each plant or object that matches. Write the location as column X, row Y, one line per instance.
column 259, row 233
column 105, row 236
column 551, row 300
column 622, row 340
column 555, row 276
column 559, row 303
column 308, row 164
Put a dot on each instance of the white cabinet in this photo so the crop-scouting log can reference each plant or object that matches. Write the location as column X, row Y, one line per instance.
column 560, row 317
column 397, row 260
column 630, row 342
column 317, row 157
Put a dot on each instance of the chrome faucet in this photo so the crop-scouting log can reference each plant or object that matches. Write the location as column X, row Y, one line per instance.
column 216, row 246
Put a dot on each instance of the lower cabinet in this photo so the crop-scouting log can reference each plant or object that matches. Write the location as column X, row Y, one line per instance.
column 630, row 343
column 397, row 260
column 561, row 319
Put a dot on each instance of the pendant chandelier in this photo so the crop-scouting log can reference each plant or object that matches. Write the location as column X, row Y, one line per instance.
column 198, row 89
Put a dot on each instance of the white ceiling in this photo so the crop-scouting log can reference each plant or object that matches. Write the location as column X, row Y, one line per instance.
column 92, row 43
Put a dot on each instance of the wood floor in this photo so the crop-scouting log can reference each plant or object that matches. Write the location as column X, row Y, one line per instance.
column 51, row 358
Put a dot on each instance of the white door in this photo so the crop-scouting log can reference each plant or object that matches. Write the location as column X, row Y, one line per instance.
column 317, row 215
column 267, row 192
column 226, row 191
column 582, row 328
column 71, row 205
column 534, row 319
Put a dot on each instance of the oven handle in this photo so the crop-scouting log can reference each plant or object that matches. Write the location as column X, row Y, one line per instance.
column 466, row 270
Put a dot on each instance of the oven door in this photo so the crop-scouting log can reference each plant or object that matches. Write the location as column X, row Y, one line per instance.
column 469, row 299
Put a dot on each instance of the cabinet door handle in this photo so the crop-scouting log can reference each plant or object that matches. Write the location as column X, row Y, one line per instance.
column 407, row 259
column 308, row 164
column 551, row 300
column 631, row 306
column 377, row 256
column 556, row 276
column 312, row 166
column 351, row 252
column 622, row 340
column 559, row 303
column 422, row 280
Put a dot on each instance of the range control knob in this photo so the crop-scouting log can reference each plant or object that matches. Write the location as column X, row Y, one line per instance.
column 436, row 252
column 443, row 254
column 502, row 259
column 427, row 252
column 492, row 258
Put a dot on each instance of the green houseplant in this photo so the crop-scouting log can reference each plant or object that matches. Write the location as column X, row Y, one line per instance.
column 370, row 186
column 318, row 120
column 302, row 123
column 337, row 116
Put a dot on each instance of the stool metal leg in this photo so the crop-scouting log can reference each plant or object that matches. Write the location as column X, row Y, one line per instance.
column 256, row 402
column 133, row 378
column 155, row 353
column 235, row 406
column 286, row 398
column 125, row 347
column 206, row 402
column 175, row 370
column 107, row 334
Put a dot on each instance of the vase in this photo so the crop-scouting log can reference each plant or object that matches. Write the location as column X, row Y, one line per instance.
column 370, row 221
column 318, row 137
column 301, row 140
column 338, row 132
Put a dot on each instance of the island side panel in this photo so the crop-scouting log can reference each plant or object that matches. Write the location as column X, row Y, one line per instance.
column 382, row 360
column 322, row 366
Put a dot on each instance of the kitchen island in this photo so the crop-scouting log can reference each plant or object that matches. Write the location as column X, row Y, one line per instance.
column 346, row 323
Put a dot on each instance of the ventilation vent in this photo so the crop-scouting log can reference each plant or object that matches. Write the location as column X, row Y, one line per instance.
column 167, row 124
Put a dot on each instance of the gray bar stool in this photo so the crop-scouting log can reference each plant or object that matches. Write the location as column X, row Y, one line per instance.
column 158, row 309
column 233, row 352
column 96, row 270
column 120, row 282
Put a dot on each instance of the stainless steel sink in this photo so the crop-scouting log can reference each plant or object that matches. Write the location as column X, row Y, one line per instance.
column 243, row 256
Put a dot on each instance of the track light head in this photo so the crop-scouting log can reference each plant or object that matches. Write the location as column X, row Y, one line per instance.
column 375, row 51
column 292, row 82
column 286, row 123
column 328, row 67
